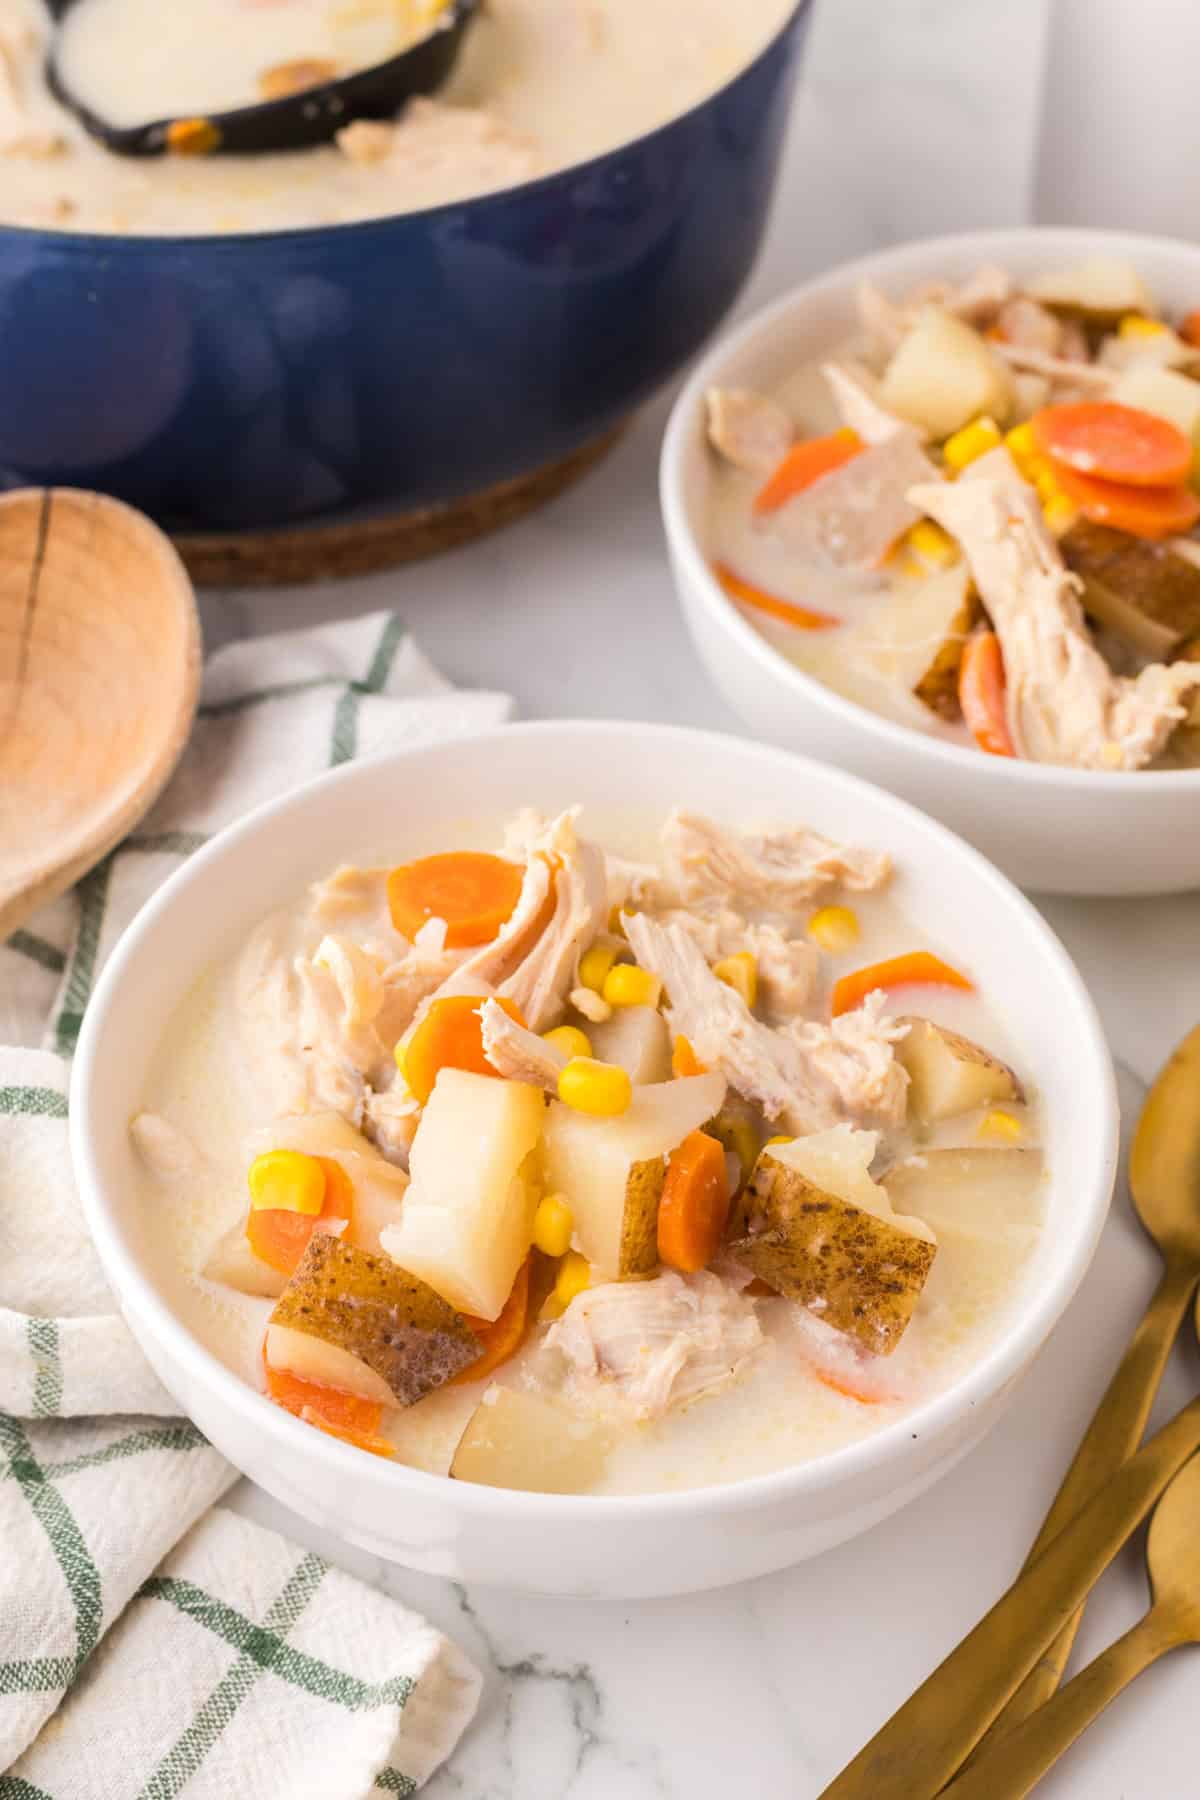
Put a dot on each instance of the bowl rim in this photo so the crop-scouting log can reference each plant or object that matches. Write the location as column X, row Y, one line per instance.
column 686, row 418
column 1015, row 1346
column 352, row 232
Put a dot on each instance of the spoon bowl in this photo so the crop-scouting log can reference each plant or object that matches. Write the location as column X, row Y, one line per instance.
column 99, row 677
column 1164, row 1162
column 311, row 114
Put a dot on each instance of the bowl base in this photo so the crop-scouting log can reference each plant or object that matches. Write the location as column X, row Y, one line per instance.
column 331, row 552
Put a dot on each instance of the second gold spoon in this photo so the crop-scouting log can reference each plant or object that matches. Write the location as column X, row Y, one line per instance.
column 1010, row 1769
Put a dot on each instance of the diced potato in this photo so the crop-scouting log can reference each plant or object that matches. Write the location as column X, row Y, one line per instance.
column 948, row 1074
column 1163, row 392
column 360, row 1323
column 233, row 1263
column 988, row 1192
column 941, row 616
column 1137, row 588
column 513, row 1440
column 467, row 1220
column 637, row 1040
column 611, row 1171
column 1100, row 291
column 944, row 374
column 814, row 1226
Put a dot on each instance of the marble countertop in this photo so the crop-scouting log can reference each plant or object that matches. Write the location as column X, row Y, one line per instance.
column 768, row 1688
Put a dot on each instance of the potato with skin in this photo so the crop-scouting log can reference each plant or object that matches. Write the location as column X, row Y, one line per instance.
column 949, row 616
column 943, row 375
column 948, row 1074
column 1099, row 291
column 983, row 1192
column 358, row 1322
column 816, row 1228
column 611, row 1171
column 1136, row 588
column 467, row 1220
column 513, row 1440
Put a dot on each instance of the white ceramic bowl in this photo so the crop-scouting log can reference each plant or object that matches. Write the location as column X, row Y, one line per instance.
column 657, row 1544
column 1059, row 831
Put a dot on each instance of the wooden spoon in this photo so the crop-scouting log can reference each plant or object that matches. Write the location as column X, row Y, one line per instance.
column 1011, row 1768
column 99, row 677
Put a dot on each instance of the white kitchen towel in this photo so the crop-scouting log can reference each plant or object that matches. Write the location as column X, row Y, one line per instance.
column 242, row 1666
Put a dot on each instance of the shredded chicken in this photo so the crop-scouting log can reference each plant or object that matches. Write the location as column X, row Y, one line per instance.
column 977, row 300
column 636, row 884
column 775, row 871
column 854, row 1053
column 390, row 1117
column 852, row 516
column 1163, row 349
column 546, row 974
column 1030, row 326
column 1064, row 703
column 639, row 1348
column 166, row 1151
column 748, row 430
column 518, row 1054
column 484, row 969
column 853, row 392
column 408, row 983
column 352, row 893
column 1061, row 371
column 810, row 1078
column 787, row 967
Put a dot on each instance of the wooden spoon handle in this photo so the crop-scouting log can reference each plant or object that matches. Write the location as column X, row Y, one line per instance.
column 1113, row 1435
column 1010, row 1769
column 924, row 1744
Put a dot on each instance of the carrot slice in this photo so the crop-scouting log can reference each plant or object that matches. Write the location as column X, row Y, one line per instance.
column 501, row 1337
column 840, row 1385
column 694, row 1205
column 805, row 463
column 1143, row 512
column 450, row 1036
column 1189, row 330
column 684, row 1060
column 981, row 687
column 473, row 892
column 280, row 1238
column 1114, row 442
column 917, row 966
column 746, row 594
column 334, row 1407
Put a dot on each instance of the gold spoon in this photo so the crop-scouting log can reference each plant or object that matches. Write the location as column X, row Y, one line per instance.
column 1011, row 1768
column 1164, row 1178
column 926, row 1742
column 99, row 675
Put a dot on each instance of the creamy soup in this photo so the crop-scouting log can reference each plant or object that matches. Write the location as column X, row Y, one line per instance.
column 677, row 1175
column 540, row 84
column 978, row 518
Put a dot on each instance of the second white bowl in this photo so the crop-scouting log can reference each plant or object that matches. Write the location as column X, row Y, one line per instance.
column 1057, row 831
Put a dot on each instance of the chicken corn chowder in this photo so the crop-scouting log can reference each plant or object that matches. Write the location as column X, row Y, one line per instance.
column 547, row 1168
column 978, row 518
column 538, row 85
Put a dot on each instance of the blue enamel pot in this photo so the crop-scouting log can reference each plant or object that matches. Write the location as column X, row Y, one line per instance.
column 261, row 379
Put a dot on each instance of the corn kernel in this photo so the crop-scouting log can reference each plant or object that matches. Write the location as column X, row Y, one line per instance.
column 1059, row 514
column 574, row 1275
column 972, row 442
column 739, row 972
column 627, row 985
column 595, row 964
column 778, row 1140
column 398, row 1056
column 1137, row 325
column 834, row 928
column 932, row 544
column 1047, row 485
column 287, row 1181
column 594, row 1087
column 569, row 1039
column 553, row 1224
column 615, row 927
column 1022, row 447
column 999, row 1124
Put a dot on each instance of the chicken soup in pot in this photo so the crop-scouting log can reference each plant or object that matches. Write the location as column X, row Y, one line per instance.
column 600, row 1165
column 538, row 85
column 979, row 516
